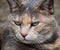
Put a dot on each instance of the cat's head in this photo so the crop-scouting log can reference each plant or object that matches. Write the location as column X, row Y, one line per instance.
column 32, row 25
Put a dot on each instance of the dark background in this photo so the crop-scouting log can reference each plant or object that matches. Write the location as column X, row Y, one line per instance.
column 4, row 10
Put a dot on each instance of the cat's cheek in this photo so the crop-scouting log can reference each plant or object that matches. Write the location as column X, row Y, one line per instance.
column 19, row 36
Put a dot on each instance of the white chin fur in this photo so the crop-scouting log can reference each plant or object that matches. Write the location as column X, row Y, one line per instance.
column 28, row 42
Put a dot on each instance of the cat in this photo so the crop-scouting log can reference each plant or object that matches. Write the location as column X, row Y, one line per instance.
column 30, row 27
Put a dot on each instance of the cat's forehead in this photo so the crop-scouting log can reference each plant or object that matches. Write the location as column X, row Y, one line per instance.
column 26, row 17
column 28, row 14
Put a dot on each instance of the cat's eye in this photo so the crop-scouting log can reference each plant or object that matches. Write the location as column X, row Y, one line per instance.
column 17, row 23
column 34, row 23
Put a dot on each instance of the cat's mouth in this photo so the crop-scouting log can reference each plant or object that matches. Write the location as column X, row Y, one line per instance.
column 25, row 40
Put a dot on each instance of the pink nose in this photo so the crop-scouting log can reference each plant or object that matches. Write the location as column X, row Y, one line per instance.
column 24, row 34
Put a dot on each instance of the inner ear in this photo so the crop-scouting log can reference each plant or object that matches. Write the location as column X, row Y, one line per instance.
column 14, row 5
column 47, row 5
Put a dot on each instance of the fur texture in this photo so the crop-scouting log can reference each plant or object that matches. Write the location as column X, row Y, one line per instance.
column 29, row 27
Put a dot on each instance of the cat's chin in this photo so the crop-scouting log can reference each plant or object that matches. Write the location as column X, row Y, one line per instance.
column 28, row 42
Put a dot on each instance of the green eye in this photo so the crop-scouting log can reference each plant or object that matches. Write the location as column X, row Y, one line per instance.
column 17, row 23
column 35, row 23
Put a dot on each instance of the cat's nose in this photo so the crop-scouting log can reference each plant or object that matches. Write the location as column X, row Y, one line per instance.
column 24, row 34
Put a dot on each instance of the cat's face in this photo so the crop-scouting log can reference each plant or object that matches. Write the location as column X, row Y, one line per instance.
column 32, row 26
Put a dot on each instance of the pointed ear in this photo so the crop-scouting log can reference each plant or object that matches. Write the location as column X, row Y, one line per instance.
column 14, row 5
column 47, row 5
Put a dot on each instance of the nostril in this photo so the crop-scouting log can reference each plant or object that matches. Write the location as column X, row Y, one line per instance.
column 24, row 34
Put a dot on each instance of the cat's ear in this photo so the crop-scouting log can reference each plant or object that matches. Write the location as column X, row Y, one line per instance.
column 14, row 5
column 47, row 5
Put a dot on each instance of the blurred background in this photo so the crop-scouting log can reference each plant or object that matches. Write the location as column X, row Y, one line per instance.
column 4, row 10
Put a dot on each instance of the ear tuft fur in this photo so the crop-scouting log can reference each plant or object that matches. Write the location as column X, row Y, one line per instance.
column 14, row 5
column 48, row 5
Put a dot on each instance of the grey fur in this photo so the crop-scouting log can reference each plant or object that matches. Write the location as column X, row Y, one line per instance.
column 7, row 35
